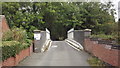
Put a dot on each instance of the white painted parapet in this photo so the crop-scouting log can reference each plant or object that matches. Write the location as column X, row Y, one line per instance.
column 47, row 34
column 70, row 34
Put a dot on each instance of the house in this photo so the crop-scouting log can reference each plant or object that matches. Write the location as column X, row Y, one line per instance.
column 3, row 24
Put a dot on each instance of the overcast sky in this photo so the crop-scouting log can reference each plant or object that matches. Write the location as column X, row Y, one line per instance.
column 115, row 2
column 116, row 7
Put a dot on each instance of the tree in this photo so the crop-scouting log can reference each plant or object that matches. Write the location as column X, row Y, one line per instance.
column 59, row 17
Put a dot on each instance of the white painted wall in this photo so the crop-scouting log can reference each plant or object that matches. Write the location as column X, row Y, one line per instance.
column 71, row 34
column 37, row 36
column 47, row 34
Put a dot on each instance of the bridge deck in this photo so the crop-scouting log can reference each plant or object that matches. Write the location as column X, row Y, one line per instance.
column 60, row 54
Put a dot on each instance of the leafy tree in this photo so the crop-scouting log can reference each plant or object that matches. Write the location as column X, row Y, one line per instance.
column 59, row 17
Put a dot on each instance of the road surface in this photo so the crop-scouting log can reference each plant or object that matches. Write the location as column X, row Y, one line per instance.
column 59, row 54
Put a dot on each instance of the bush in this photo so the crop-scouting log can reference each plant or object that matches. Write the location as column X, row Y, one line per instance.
column 103, row 36
column 94, row 61
column 26, row 44
column 10, row 49
column 28, row 41
column 113, row 37
column 13, row 42
column 7, row 36
column 17, row 34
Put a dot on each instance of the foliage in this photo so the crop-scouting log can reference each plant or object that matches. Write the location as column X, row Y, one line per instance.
column 13, row 42
column 93, row 61
column 109, row 32
column 7, row 36
column 107, row 28
column 11, row 48
column 59, row 17
column 103, row 36
column 28, row 41
column 17, row 34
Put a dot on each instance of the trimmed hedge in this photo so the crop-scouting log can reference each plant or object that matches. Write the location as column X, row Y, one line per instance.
column 109, row 39
column 103, row 36
column 11, row 48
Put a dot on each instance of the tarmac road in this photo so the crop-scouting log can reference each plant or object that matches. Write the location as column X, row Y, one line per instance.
column 59, row 54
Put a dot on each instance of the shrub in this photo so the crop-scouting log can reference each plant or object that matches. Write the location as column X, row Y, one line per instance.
column 113, row 37
column 19, row 34
column 94, row 61
column 26, row 44
column 13, row 42
column 28, row 41
column 10, row 49
column 7, row 36
column 103, row 36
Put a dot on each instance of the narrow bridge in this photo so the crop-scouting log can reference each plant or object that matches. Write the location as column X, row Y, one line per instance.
column 59, row 53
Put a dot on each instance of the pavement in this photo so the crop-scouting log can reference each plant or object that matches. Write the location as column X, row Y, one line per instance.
column 59, row 54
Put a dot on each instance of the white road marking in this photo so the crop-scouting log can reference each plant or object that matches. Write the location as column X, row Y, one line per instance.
column 54, row 46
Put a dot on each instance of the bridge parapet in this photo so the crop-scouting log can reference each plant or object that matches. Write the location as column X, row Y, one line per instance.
column 78, row 35
column 40, row 39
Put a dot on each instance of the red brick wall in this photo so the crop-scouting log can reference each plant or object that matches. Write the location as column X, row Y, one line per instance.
column 13, row 61
column 22, row 55
column 9, row 62
column 105, row 54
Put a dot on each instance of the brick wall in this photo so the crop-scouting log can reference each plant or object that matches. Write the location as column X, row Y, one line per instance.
column 13, row 61
column 103, row 52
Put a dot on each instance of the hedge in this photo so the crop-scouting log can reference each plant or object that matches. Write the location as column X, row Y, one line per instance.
column 103, row 36
column 13, row 42
column 11, row 48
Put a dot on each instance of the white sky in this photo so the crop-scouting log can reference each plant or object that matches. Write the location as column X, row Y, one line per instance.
column 116, row 7
column 115, row 2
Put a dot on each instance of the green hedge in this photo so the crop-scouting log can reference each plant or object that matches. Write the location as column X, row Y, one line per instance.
column 103, row 36
column 11, row 48
column 113, row 37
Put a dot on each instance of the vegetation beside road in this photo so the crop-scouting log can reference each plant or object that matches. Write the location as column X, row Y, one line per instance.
column 13, row 41
column 93, row 61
